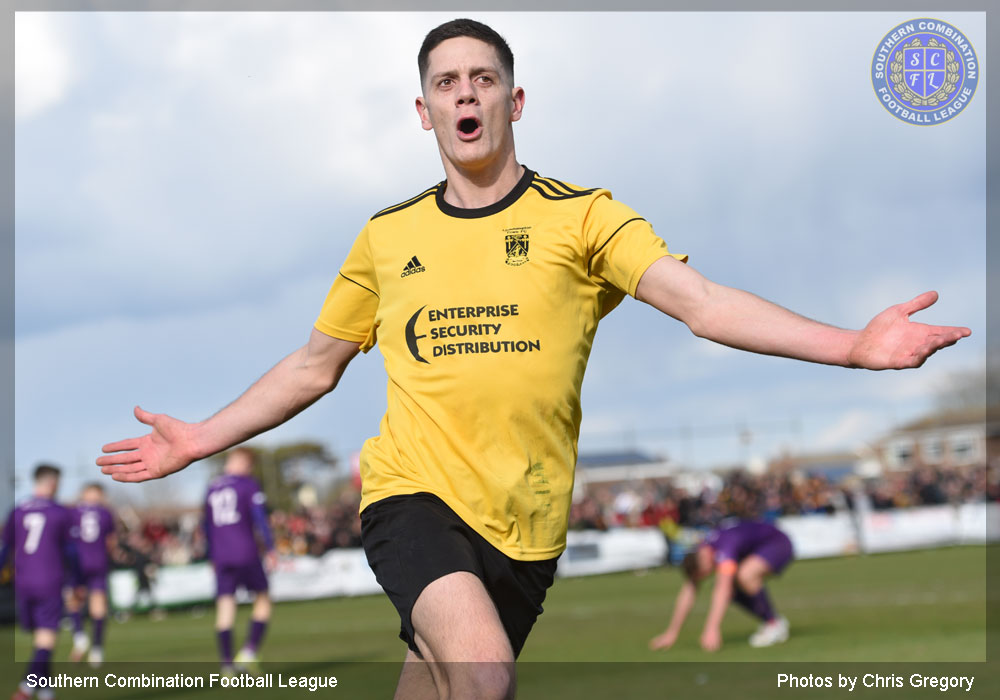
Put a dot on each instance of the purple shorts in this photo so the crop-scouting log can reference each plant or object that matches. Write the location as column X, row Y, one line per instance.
column 96, row 580
column 249, row 576
column 776, row 550
column 36, row 610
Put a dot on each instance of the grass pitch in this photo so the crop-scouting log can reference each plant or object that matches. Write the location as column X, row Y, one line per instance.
column 912, row 608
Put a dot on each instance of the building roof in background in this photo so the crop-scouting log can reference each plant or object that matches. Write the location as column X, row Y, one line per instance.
column 952, row 419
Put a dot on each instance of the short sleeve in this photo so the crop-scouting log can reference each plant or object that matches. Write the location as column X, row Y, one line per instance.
column 621, row 244
column 352, row 302
column 727, row 547
column 727, row 566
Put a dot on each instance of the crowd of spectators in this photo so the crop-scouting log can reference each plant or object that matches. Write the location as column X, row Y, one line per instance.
column 318, row 529
column 742, row 495
column 766, row 497
column 934, row 486
column 314, row 530
column 161, row 540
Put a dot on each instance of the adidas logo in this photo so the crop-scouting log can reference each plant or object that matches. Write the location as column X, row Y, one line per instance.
column 413, row 267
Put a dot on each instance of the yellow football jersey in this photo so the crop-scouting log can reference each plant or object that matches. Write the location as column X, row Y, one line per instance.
column 486, row 319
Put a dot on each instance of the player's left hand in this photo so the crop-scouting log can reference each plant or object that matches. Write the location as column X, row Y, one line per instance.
column 892, row 341
column 711, row 639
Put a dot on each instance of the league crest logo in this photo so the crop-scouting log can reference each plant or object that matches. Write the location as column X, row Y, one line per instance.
column 925, row 71
column 516, row 242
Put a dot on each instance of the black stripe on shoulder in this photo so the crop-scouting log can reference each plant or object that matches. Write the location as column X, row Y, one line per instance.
column 358, row 283
column 591, row 261
column 557, row 197
column 563, row 191
column 547, row 195
column 567, row 188
column 408, row 202
column 549, row 184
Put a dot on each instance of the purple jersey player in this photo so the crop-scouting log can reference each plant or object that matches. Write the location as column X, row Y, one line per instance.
column 38, row 534
column 93, row 528
column 741, row 556
column 234, row 515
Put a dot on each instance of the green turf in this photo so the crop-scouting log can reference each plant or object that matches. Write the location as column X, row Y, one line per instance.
column 913, row 607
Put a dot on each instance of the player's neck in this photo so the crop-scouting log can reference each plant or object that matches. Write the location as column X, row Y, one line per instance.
column 474, row 189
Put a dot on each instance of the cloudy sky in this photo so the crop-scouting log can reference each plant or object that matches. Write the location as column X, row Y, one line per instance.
column 188, row 184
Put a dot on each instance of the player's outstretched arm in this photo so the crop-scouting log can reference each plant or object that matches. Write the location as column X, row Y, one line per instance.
column 722, row 593
column 685, row 601
column 286, row 389
column 741, row 320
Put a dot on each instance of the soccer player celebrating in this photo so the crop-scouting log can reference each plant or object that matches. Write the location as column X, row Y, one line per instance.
column 93, row 531
column 234, row 510
column 484, row 293
column 38, row 534
column 742, row 556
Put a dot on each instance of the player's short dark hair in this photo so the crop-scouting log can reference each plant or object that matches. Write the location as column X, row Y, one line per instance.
column 46, row 471
column 470, row 28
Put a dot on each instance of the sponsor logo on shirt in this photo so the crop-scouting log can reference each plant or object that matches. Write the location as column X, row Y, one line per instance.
column 413, row 267
column 466, row 330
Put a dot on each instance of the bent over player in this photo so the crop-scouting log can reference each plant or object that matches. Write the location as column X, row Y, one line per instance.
column 741, row 556
column 94, row 527
column 38, row 534
column 484, row 293
column 234, row 512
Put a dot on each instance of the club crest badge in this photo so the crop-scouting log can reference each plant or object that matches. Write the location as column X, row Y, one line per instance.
column 516, row 241
column 925, row 71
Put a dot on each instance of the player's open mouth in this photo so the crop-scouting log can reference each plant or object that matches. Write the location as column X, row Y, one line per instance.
column 468, row 128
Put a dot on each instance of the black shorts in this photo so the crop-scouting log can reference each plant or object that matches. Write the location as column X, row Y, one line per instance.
column 415, row 539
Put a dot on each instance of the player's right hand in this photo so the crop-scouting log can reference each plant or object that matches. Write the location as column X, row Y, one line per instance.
column 168, row 448
column 663, row 641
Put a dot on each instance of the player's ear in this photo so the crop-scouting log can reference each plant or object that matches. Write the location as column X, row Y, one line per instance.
column 517, row 96
column 425, row 117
